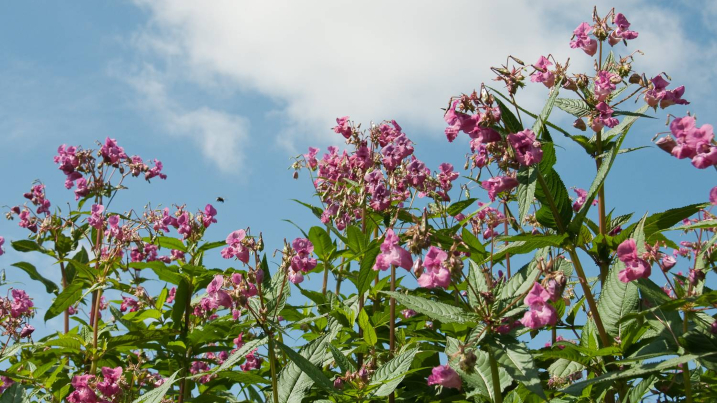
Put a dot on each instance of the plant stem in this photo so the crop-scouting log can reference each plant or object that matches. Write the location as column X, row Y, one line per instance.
column 589, row 297
column 392, row 328
column 505, row 228
column 601, row 208
column 686, row 368
column 95, row 329
column 272, row 364
column 498, row 398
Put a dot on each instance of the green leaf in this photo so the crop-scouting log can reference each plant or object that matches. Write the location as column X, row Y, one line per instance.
column 31, row 271
column 617, row 300
column 515, row 357
column 457, row 207
column 480, row 380
column 635, row 372
column 539, row 125
column 511, row 122
column 390, row 374
column 527, row 179
column 366, row 271
column 575, row 107
column 293, row 383
column 248, row 347
column 562, row 367
column 474, row 245
column 620, row 131
column 636, row 392
column 25, row 245
column 323, row 247
column 433, row 309
column 478, row 284
column 180, row 301
column 559, row 193
column 246, row 378
column 369, row 333
column 157, row 395
column 13, row 394
column 344, row 363
column 167, row 242
column 522, row 281
column 357, row 239
column 68, row 297
column 307, row 367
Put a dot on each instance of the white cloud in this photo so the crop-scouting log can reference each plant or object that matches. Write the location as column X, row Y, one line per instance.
column 218, row 134
column 377, row 60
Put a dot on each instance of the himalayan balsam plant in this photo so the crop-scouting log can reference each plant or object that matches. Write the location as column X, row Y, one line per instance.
column 438, row 296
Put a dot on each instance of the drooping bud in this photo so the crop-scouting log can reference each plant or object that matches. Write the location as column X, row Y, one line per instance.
column 579, row 124
column 467, row 361
column 635, row 79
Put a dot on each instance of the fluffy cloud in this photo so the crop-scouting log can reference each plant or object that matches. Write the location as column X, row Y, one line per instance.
column 377, row 60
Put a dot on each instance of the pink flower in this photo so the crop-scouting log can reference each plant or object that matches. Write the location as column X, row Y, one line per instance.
column 392, row 253
column 302, row 260
column 214, row 289
column 541, row 74
column 26, row 331
column 604, row 84
column 622, row 31
column 171, row 295
column 498, row 184
column 155, row 171
column 208, row 217
column 541, row 313
column 21, row 303
column 713, row 195
column 130, row 303
column 252, row 362
column 2, row 242
column 434, row 273
column 310, row 157
column 660, row 95
column 111, row 152
column 445, row 376
column 582, row 40
column 527, row 148
column 668, row 262
column 580, row 200
column 634, row 266
column 95, row 220
column 343, row 128
column 693, row 142
column 236, row 248
column 604, row 118
column 408, row 313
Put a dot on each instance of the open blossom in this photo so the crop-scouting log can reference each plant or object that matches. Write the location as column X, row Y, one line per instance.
column 604, row 117
column 580, row 200
column 208, row 217
column 109, row 385
column 392, row 254
column 635, row 267
column 445, row 376
column 605, row 84
column 527, row 148
column 691, row 142
column 130, row 303
column 111, row 152
column 434, row 274
column 2, row 242
column 540, row 312
column 541, row 74
column 95, row 220
column 82, row 393
column 217, row 294
column 658, row 94
column 498, row 184
column 252, row 362
column 713, row 196
column 343, row 128
column 155, row 171
column 408, row 313
column 582, row 39
column 622, row 32
column 310, row 157
column 236, row 248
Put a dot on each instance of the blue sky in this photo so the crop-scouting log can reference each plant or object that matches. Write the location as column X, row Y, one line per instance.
column 224, row 94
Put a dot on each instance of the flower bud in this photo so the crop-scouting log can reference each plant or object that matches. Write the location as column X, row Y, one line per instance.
column 570, row 85
column 666, row 143
column 635, row 79
column 579, row 124
column 338, row 383
column 668, row 262
column 713, row 328
column 467, row 362
column 624, row 69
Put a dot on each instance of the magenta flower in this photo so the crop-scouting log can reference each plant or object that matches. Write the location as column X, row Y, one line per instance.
column 2, row 242
column 660, row 95
column 540, row 312
column 130, row 303
column 582, row 40
column 580, row 200
column 498, row 184
column 82, row 392
column 445, row 376
column 343, row 128
column 170, row 296
column 111, row 152
column 693, row 142
column 622, row 32
column 214, row 289
column 310, row 158
column 252, row 362
column 604, row 84
column 26, row 331
column 408, row 313
column 392, row 254
column 109, row 386
column 435, row 274
column 236, row 248
column 21, row 303
column 713, row 196
column 527, row 148
column 208, row 217
column 635, row 267
column 541, row 74
column 155, row 171
column 95, row 220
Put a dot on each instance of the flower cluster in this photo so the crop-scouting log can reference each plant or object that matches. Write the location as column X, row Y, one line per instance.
column 433, row 272
column 635, row 267
column 86, row 387
column 541, row 312
column 392, row 254
column 691, row 141
column 302, row 261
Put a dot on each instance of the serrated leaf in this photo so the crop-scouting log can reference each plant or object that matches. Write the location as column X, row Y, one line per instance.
column 157, row 395
column 248, row 347
column 478, row 284
column 515, row 357
column 575, row 107
column 307, row 367
column 344, row 363
column 434, row 309
column 68, row 297
column 14, row 394
column 323, row 247
column 390, row 374
column 457, row 207
column 25, row 245
column 480, row 380
column 167, row 242
column 31, row 271
column 366, row 271
column 369, row 333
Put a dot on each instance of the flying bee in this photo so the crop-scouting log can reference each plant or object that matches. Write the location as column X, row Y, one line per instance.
column 220, row 199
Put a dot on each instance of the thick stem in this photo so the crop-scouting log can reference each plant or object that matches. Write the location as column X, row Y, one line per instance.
column 326, row 279
column 64, row 285
column 589, row 297
column 686, row 368
column 95, row 329
column 272, row 365
column 505, row 228
column 392, row 328
column 496, row 379
column 183, row 390
column 601, row 208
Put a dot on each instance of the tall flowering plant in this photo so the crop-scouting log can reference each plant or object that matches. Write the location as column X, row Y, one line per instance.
column 437, row 295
